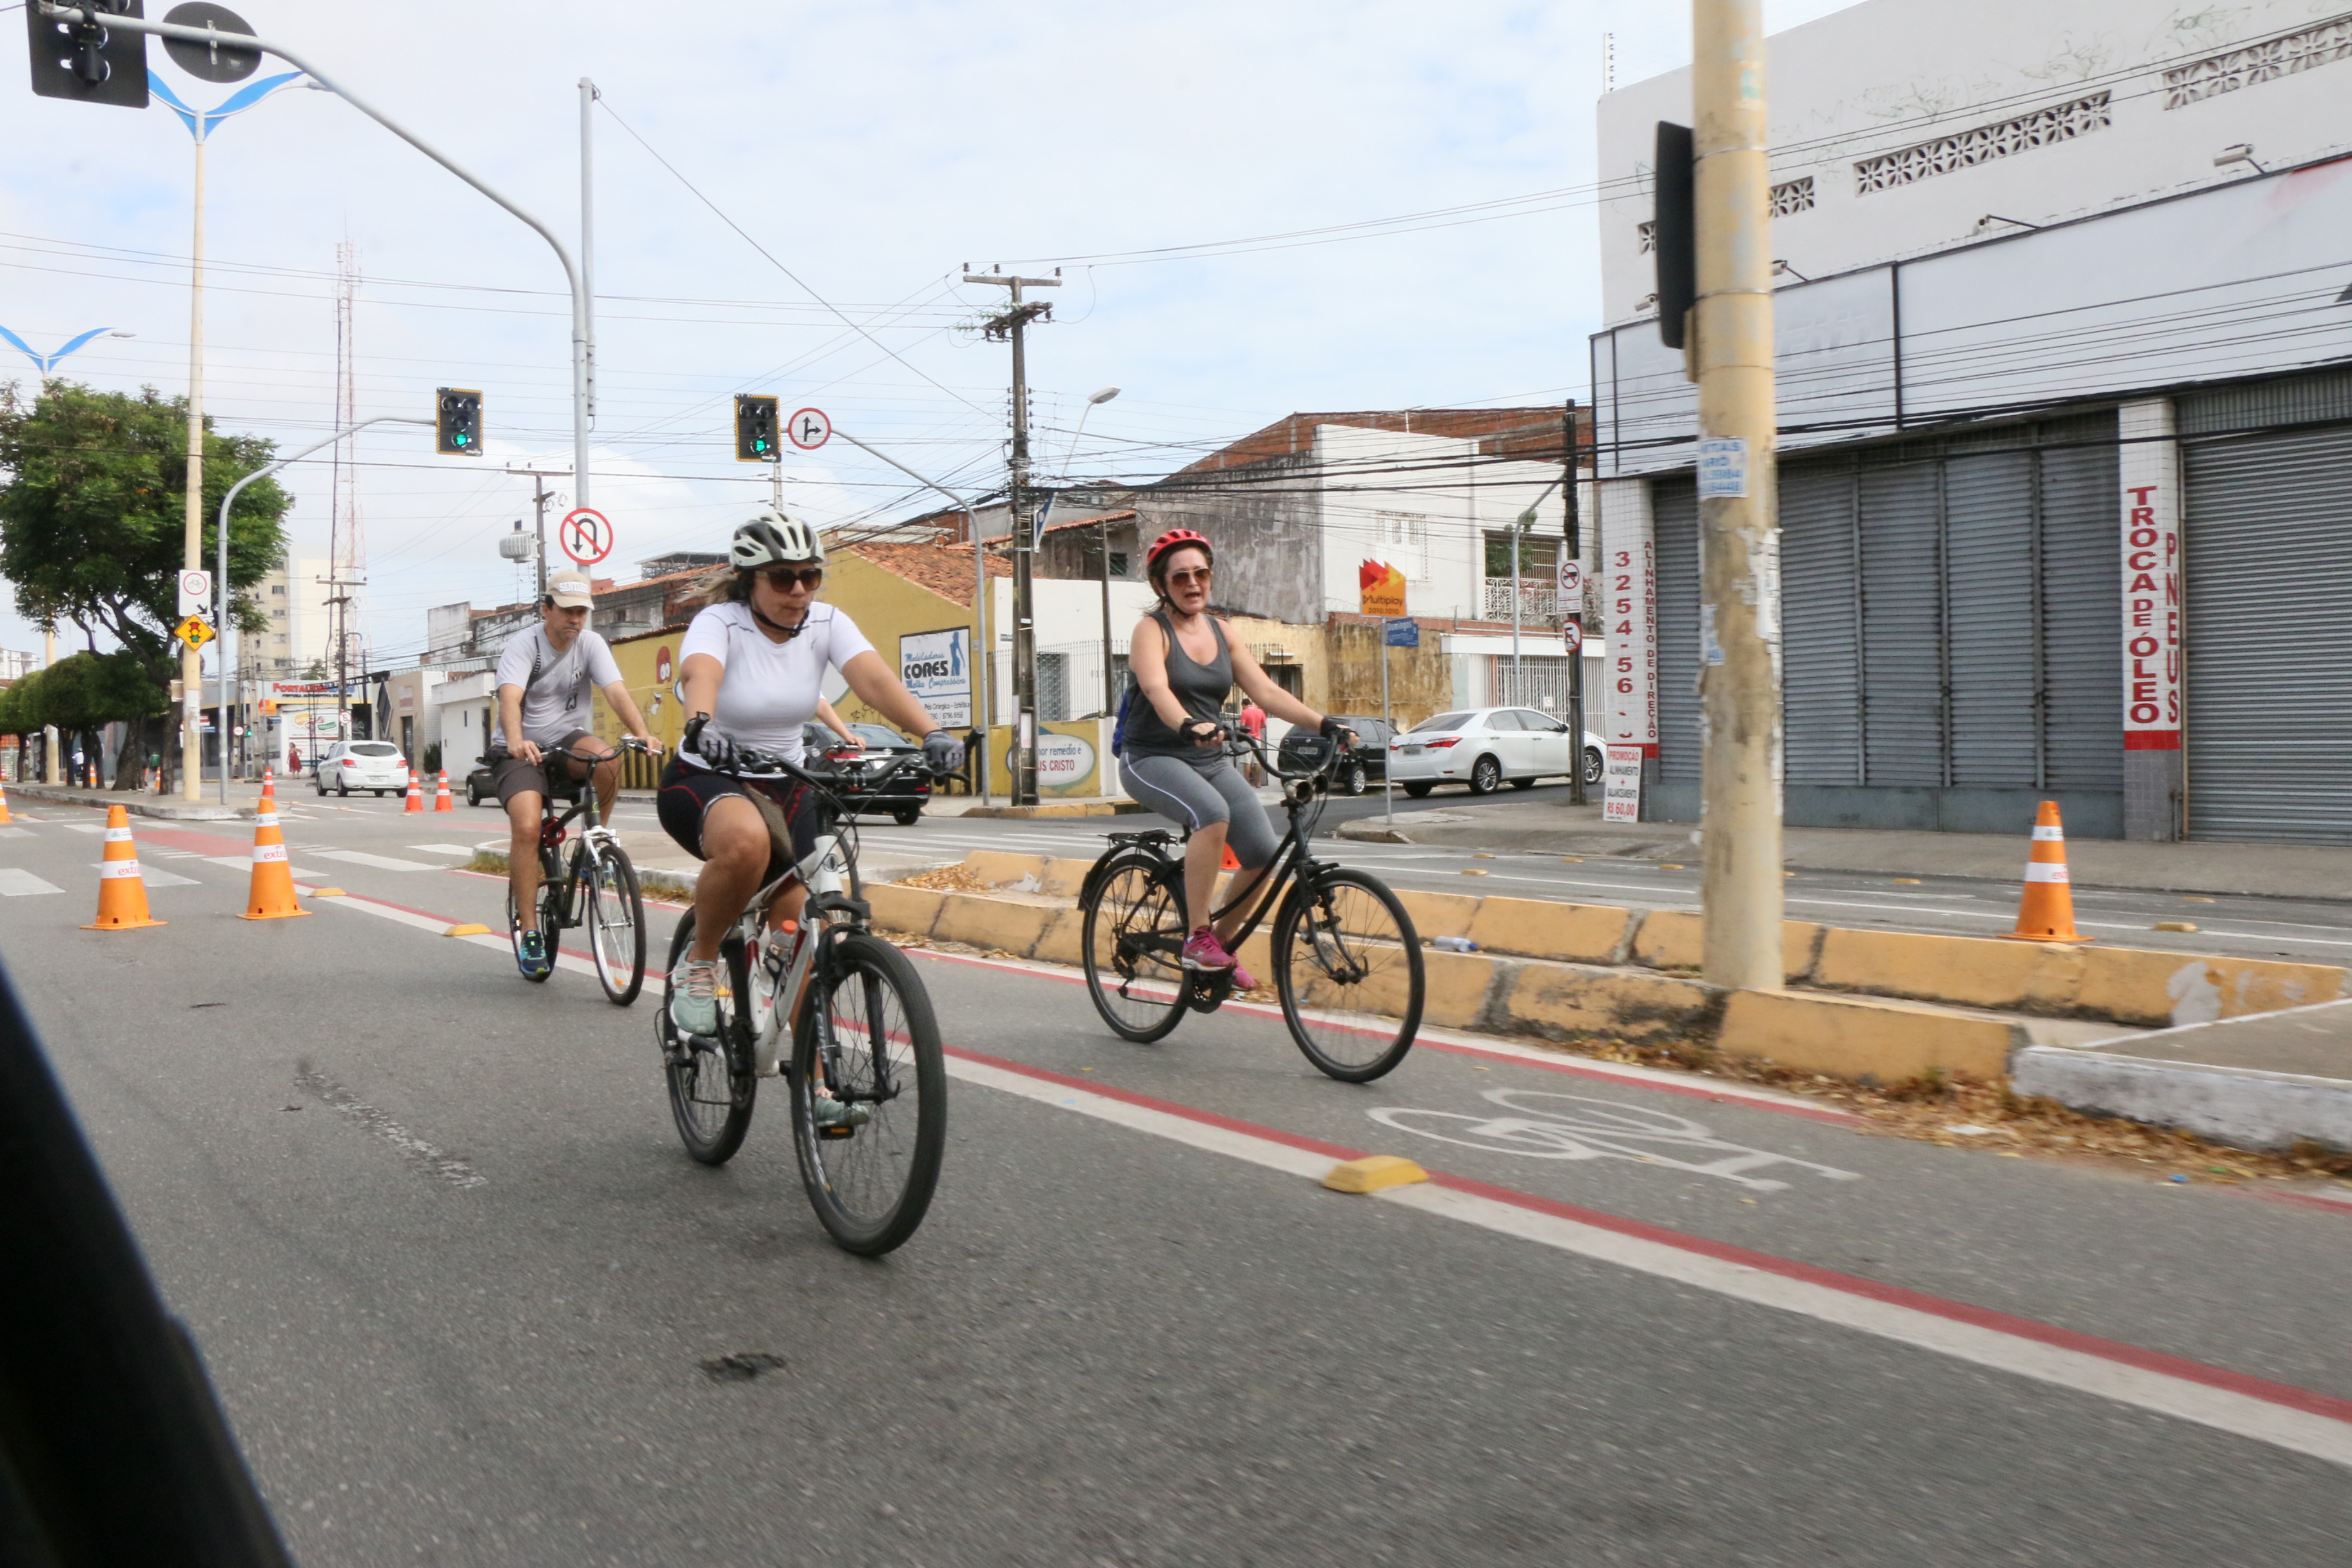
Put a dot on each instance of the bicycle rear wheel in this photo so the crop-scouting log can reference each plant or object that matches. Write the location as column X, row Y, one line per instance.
column 865, row 1039
column 616, row 924
column 1134, row 939
column 711, row 1081
column 1347, row 964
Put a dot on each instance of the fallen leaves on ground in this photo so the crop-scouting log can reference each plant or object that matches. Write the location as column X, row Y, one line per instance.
column 947, row 880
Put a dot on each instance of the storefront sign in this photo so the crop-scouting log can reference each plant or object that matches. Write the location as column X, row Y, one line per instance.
column 1382, row 587
column 1629, row 603
column 1621, row 790
column 2151, row 567
column 937, row 667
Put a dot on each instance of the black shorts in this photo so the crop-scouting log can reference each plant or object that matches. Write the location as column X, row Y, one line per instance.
column 687, row 795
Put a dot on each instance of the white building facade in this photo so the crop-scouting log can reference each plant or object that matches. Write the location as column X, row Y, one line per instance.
column 2064, row 345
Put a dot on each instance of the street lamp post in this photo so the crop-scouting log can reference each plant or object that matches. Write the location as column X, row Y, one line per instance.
column 48, row 361
column 1102, row 528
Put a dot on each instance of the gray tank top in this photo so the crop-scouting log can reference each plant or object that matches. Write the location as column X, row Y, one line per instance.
column 1200, row 688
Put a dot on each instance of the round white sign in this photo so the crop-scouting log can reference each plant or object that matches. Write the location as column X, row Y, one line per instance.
column 808, row 429
column 585, row 534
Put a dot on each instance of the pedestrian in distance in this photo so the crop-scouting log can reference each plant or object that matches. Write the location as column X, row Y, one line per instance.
column 543, row 680
column 1172, row 753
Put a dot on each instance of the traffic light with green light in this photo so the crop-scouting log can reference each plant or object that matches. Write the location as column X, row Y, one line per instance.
column 458, row 422
column 755, row 428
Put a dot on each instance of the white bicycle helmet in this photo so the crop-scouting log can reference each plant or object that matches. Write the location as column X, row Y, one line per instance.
column 772, row 538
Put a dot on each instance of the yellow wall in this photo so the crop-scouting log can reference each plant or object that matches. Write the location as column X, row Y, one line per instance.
column 640, row 658
column 886, row 607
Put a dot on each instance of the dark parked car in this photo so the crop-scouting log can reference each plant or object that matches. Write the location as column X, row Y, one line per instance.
column 1366, row 762
column 845, row 769
column 479, row 787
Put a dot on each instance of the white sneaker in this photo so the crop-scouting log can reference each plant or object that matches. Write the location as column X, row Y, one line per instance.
column 694, row 997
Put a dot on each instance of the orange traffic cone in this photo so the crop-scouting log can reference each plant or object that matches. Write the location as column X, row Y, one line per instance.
column 268, row 777
column 268, row 806
column 1229, row 863
column 121, row 896
column 415, row 802
column 441, row 801
column 2046, row 912
column 271, row 895
column 3, row 805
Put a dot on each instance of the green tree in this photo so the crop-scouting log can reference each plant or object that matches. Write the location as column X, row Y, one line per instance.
column 81, row 695
column 92, row 520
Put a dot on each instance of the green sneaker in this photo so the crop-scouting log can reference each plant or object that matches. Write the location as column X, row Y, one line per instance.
column 532, row 958
column 837, row 1117
column 694, row 998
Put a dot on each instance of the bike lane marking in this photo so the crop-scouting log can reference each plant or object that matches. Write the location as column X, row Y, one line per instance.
column 1577, row 1126
column 2297, row 1419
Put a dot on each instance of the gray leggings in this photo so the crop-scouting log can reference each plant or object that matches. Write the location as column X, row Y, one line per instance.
column 1197, row 797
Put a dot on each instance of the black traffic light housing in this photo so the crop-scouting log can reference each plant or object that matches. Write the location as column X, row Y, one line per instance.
column 1676, row 232
column 458, row 422
column 88, row 60
column 755, row 428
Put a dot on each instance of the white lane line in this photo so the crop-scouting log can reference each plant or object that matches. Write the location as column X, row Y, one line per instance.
column 2292, row 1418
column 17, row 832
column 16, row 883
column 439, row 924
column 87, row 827
column 445, row 849
column 245, row 863
column 381, row 862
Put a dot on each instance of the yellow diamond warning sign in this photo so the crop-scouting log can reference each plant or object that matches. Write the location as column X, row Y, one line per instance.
column 194, row 632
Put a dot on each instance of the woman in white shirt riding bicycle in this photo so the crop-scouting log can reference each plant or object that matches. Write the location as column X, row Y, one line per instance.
column 753, row 671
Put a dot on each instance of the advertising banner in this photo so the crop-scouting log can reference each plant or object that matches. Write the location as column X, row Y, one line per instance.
column 937, row 667
column 1621, row 795
column 1382, row 588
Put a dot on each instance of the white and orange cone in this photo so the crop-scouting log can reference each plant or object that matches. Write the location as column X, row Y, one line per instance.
column 441, row 801
column 271, row 895
column 415, row 802
column 121, row 895
column 268, row 777
column 3, row 805
column 2046, row 912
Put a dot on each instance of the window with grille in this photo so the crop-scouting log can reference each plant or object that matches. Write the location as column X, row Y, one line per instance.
column 1792, row 196
column 1646, row 235
column 1053, row 687
column 1401, row 540
column 1983, row 144
column 2266, row 61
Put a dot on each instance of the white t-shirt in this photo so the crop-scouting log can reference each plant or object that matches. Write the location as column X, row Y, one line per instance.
column 771, row 688
column 556, row 704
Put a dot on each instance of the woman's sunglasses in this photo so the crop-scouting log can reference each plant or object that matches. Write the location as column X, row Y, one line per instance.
column 1186, row 579
column 783, row 577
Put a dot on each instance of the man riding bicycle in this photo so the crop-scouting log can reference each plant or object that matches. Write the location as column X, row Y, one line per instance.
column 754, row 669
column 543, row 679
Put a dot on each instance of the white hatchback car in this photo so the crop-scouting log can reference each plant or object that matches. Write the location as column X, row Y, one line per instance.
column 362, row 765
column 1482, row 747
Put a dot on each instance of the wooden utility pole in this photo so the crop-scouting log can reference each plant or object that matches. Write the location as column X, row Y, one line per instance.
column 1730, row 350
column 1008, row 326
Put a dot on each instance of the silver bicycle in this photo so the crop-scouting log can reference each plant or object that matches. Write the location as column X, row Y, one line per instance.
column 841, row 1016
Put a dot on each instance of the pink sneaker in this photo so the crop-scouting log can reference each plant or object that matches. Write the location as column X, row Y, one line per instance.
column 1203, row 950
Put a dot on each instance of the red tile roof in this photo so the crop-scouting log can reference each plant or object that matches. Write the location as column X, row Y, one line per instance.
column 941, row 569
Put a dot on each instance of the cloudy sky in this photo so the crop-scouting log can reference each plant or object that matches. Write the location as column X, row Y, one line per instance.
column 873, row 151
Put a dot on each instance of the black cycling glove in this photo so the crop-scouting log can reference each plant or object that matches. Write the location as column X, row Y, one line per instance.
column 942, row 753
column 1333, row 729
column 707, row 744
column 1204, row 731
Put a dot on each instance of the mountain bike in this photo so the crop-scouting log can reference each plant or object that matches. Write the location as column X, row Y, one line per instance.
column 1347, row 961
column 841, row 1014
column 596, row 889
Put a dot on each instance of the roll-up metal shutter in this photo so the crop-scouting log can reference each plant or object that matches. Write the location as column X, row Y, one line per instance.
column 1673, row 518
column 1821, row 610
column 2082, row 588
column 1991, row 598
column 2269, row 645
column 1902, row 625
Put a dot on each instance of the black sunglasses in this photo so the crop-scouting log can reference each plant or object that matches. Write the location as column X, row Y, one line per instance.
column 781, row 578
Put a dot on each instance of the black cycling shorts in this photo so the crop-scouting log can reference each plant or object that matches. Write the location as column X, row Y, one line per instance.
column 687, row 794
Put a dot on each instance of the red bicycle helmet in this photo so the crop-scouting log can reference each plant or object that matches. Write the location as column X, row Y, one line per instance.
column 1173, row 538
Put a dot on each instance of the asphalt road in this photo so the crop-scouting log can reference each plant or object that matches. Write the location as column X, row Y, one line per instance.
column 467, row 1302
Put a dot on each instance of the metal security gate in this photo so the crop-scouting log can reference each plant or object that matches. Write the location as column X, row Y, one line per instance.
column 1949, row 623
column 1541, row 680
column 2268, row 643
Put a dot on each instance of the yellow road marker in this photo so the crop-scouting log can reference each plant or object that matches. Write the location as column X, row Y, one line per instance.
column 2174, row 925
column 469, row 930
column 1475, row 871
column 1906, row 881
column 329, row 893
column 1373, row 1172
column 1483, row 855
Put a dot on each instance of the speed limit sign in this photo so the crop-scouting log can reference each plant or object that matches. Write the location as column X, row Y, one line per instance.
column 585, row 535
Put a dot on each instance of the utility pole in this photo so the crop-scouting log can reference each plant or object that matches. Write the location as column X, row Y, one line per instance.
column 540, row 496
column 341, row 600
column 1009, row 325
column 191, row 675
column 1739, row 584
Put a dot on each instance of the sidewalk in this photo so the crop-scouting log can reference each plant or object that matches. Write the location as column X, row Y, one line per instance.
column 147, row 803
column 2288, row 870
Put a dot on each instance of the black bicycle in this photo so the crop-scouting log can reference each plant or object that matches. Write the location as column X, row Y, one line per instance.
column 596, row 889
column 1347, row 961
column 842, row 1015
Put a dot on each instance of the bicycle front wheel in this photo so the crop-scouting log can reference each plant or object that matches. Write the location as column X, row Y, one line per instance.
column 870, row 1086
column 616, row 924
column 711, row 1081
column 1347, row 964
column 1134, row 942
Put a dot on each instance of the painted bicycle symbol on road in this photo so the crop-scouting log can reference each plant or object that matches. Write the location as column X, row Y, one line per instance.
column 1573, row 1127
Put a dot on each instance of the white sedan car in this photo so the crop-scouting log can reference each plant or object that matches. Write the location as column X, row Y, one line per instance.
column 362, row 765
column 1482, row 747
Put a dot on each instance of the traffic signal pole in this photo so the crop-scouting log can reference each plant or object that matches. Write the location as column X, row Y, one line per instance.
column 1009, row 325
column 580, row 308
column 221, row 601
column 1739, row 584
column 192, row 669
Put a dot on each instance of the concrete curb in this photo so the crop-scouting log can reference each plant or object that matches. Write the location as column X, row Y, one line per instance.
column 2241, row 1107
column 1058, row 808
column 137, row 804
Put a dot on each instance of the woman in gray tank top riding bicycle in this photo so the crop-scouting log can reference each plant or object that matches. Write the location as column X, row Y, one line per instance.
column 1173, row 757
